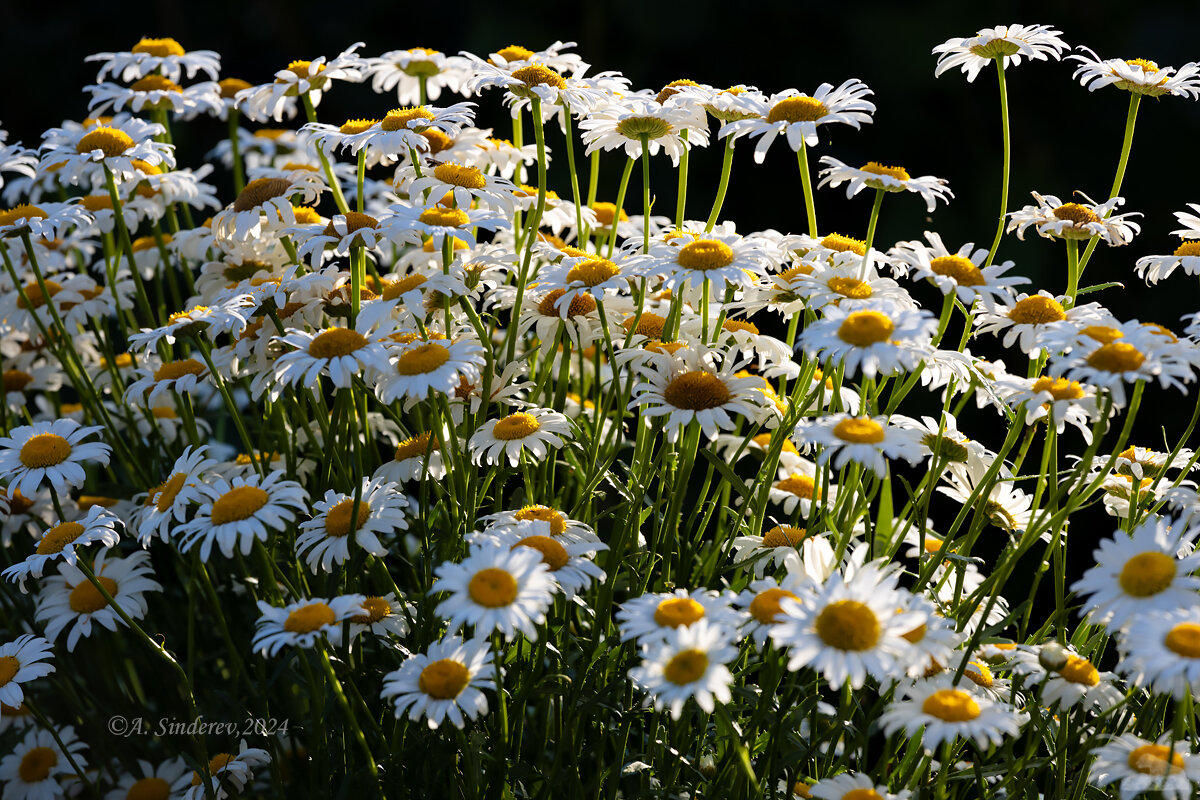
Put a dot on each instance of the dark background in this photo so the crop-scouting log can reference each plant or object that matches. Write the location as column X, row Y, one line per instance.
column 1064, row 137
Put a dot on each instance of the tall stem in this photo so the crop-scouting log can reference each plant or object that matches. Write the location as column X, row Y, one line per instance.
column 723, row 186
column 338, row 198
column 806, row 182
column 535, row 221
column 681, row 194
column 1073, row 270
column 235, row 146
column 871, row 232
column 645, row 194
column 1007, row 161
column 1135, row 100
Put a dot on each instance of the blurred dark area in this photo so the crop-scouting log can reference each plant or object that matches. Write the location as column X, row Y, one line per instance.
column 1064, row 137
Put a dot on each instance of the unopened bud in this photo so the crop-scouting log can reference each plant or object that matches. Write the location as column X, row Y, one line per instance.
column 1052, row 656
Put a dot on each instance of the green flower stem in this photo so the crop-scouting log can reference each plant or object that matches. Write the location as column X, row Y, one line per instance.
column 806, row 183
column 1073, row 270
column 360, row 200
column 1135, row 100
column 231, row 406
column 681, row 192
column 340, row 199
column 645, row 197
column 49, row 726
column 239, row 175
column 351, row 718
column 722, row 187
column 358, row 273
column 535, row 221
column 619, row 206
column 593, row 185
column 580, row 237
column 1007, row 144
column 127, row 245
column 871, row 230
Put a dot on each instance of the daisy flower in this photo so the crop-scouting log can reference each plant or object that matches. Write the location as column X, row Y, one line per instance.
column 933, row 641
column 152, row 780
column 69, row 601
column 467, row 185
column 1075, row 683
column 707, row 397
column 155, row 92
column 851, row 786
column 1005, row 506
column 1053, row 218
column 648, row 618
column 21, row 661
column 412, row 224
column 304, row 623
column 1113, row 364
column 1008, row 43
column 864, row 440
column 421, row 367
column 342, row 354
column 874, row 175
column 1152, row 269
column 848, row 281
column 32, row 770
column 846, row 630
column 689, row 662
column 496, row 589
column 781, row 546
column 50, row 452
column 156, row 382
column 1058, row 399
column 962, row 272
column 570, row 562
column 165, row 57
column 534, row 431
column 265, row 207
column 630, row 123
column 385, row 616
column 228, row 771
column 169, row 502
column 237, row 513
column 1142, row 462
column 446, row 682
column 60, row 543
column 1141, row 766
column 411, row 71
column 947, row 713
column 561, row 526
column 382, row 509
column 1140, row 575
column 312, row 78
column 797, row 116
column 401, row 131
column 761, row 600
column 415, row 458
column 1026, row 318
column 1136, row 75
column 723, row 259
column 878, row 338
column 44, row 221
column 80, row 156
column 798, row 488
column 1162, row 652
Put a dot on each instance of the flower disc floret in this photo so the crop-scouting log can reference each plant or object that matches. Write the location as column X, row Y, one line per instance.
column 309, row 618
column 848, row 625
column 696, row 390
column 336, row 342
column 237, row 504
column 951, row 705
column 45, row 450
column 800, row 108
column 865, row 328
column 112, row 142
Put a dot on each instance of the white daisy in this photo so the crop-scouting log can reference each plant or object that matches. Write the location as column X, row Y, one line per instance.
column 629, row 122
column 50, row 452
column 648, row 618
column 877, row 338
column 423, row 366
column 688, row 662
column 409, row 72
column 163, row 56
column 761, row 600
column 238, row 512
column 947, row 713
column 534, row 431
column 446, row 682
column 1006, row 43
column 80, row 156
column 32, row 770
column 1053, row 218
column 1137, row 75
column 22, row 660
column 342, row 354
column 851, row 786
column 386, row 616
column 1161, row 651
column 570, row 562
column 1139, row 575
column 152, row 780
column 797, row 116
column 496, row 589
column 1141, row 766
column 1076, row 683
column 70, row 601
column 415, row 458
column 865, row 440
column 707, row 397
column 304, row 622
column 229, row 773
column 782, row 545
column 382, row 510
column 874, row 175
column 962, row 272
column 169, row 502
column 312, row 78
column 1006, row 506
column 60, row 543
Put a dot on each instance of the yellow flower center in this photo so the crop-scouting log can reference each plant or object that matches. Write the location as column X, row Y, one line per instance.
column 36, row 764
column 686, row 667
column 45, row 450
column 797, row 109
column 1116, row 357
column 765, row 605
column 309, row 618
column 96, row 202
column 336, row 342
column 961, row 269
column 515, row 52
column 916, row 634
column 259, row 191
column 170, row 489
column 1184, row 640
column 337, row 521
column 36, row 297
column 580, row 304
column 458, row 175
column 865, row 328
column 1147, row 574
column 538, row 75
column 149, row 789
column 1151, row 759
column 442, row 217
column 354, row 222
column 1102, row 333
column 783, row 536
column 9, row 667
column 1080, row 670
column 696, row 390
column 851, row 287
column 353, row 126
column 593, row 272
column 174, row 370
column 859, row 430
column 516, row 426
column 558, row 523
column 604, row 215
column 650, row 325
column 493, row 587
column 111, row 141
column 678, row 611
column 705, row 254
column 672, row 89
column 438, row 141
column 844, row 244
column 1074, row 212
column 553, row 553
column 1190, row 249
column 875, row 168
column 979, row 674
column 85, row 598
column 155, row 83
column 58, row 537
column 306, row 215
column 422, row 360
column 159, row 48
column 215, row 766
column 376, row 607
column 21, row 211
column 740, row 325
column 1037, row 310
column 848, row 625
column 649, row 127
column 237, row 504
column 231, row 86
column 416, row 446
column 862, row 794
column 800, row 485
column 951, row 705
column 1146, row 65
column 1059, row 388
column 444, row 679
column 406, row 284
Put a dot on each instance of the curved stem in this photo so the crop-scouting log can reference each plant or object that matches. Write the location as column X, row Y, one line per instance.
column 722, row 187
column 1135, row 100
column 806, row 182
column 338, row 198
column 871, row 232
column 1007, row 161
column 616, row 220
